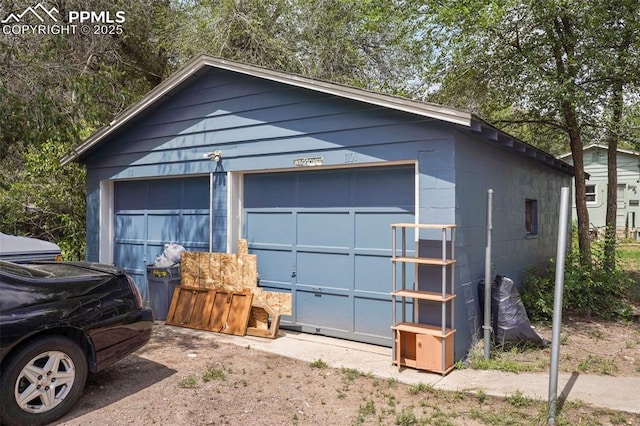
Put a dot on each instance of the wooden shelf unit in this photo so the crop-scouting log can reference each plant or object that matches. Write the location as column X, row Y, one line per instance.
column 416, row 345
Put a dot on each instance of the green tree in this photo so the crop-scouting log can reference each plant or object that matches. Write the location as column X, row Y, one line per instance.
column 534, row 67
column 47, row 201
column 55, row 90
column 618, row 62
column 362, row 43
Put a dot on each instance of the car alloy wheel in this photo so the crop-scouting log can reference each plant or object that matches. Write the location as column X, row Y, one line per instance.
column 42, row 381
column 45, row 382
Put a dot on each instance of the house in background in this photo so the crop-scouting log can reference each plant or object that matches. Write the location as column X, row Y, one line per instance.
column 312, row 174
column 628, row 190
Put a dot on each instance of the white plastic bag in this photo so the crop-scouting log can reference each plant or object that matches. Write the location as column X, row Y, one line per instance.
column 162, row 261
column 172, row 252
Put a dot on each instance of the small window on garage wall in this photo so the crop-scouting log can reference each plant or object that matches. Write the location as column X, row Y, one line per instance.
column 531, row 217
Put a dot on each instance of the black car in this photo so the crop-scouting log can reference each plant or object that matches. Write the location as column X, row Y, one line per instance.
column 58, row 322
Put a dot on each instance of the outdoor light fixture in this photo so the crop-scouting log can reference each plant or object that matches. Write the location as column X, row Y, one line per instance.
column 214, row 155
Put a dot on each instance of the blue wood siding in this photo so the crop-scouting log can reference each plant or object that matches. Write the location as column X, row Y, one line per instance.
column 247, row 118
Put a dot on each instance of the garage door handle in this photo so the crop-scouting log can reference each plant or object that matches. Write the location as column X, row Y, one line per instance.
column 317, row 292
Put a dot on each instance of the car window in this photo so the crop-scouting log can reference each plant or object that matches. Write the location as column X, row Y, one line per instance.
column 23, row 271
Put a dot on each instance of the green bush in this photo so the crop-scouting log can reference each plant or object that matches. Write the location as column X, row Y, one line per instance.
column 589, row 289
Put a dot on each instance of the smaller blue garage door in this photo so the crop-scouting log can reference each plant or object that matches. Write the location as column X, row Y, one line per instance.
column 150, row 213
column 325, row 236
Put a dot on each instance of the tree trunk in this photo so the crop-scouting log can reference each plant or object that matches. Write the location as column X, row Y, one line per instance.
column 612, row 177
column 560, row 31
column 575, row 141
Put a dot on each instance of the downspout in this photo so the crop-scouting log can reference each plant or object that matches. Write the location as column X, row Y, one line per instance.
column 487, row 278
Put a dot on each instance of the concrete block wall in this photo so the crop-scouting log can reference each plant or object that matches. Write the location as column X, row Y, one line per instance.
column 513, row 179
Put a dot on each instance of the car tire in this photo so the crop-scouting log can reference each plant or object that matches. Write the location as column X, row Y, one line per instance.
column 42, row 381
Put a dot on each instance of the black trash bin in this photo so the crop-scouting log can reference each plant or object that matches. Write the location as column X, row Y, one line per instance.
column 162, row 282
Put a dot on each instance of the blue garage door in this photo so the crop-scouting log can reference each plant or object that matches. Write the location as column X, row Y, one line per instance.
column 150, row 213
column 325, row 237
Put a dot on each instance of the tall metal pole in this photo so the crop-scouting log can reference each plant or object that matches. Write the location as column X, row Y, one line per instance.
column 487, row 278
column 557, row 305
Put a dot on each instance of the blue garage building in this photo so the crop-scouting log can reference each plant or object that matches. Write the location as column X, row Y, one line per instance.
column 312, row 174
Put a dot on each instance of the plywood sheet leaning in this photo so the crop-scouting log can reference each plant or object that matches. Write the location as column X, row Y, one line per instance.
column 281, row 302
column 230, row 273
column 190, row 269
column 219, row 270
column 243, row 247
column 211, row 264
column 248, row 270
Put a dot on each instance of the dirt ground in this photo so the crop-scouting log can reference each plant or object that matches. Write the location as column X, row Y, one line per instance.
column 183, row 380
column 586, row 346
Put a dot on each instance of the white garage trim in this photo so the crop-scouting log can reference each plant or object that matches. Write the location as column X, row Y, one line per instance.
column 105, row 222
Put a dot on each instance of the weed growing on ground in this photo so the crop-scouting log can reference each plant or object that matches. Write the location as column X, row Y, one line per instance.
column 501, row 360
column 318, row 363
column 213, row 373
column 351, row 374
column 519, row 400
column 366, row 410
column 392, row 401
column 406, row 417
column 619, row 419
column 420, row 388
column 595, row 333
column 598, row 364
column 189, row 382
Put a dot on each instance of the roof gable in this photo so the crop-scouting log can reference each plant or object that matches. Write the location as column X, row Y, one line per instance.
column 201, row 64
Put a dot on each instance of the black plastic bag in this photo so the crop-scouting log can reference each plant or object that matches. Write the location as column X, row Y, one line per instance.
column 509, row 319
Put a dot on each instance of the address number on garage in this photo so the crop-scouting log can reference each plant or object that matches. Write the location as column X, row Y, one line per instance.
column 308, row 161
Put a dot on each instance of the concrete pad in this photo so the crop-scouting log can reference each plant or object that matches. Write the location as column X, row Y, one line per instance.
column 617, row 393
